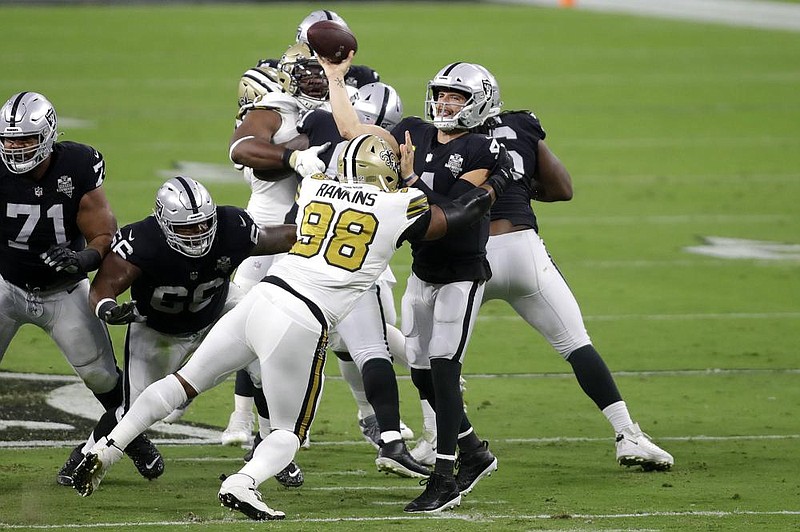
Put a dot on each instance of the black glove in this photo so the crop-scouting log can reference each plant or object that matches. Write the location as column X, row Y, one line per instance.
column 502, row 173
column 71, row 261
column 110, row 312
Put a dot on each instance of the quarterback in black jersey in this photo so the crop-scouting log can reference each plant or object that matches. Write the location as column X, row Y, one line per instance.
column 177, row 264
column 56, row 226
column 528, row 279
column 443, row 294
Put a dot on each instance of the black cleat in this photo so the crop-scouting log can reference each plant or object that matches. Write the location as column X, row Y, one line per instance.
column 64, row 477
column 249, row 455
column 146, row 457
column 441, row 493
column 291, row 476
column 393, row 457
column 473, row 466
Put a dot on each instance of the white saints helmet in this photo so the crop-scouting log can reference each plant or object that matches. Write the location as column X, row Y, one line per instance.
column 187, row 216
column 379, row 104
column 313, row 18
column 301, row 76
column 369, row 160
column 476, row 84
column 27, row 114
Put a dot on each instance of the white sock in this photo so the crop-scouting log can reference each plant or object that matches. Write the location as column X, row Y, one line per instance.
column 397, row 345
column 428, row 417
column 264, row 427
column 617, row 414
column 272, row 455
column 155, row 403
column 352, row 376
column 390, row 436
column 242, row 403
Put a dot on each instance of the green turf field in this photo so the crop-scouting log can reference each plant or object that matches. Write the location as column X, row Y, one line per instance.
column 673, row 132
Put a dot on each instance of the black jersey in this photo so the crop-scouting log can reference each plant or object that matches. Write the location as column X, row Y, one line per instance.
column 357, row 76
column 520, row 132
column 38, row 214
column 461, row 255
column 180, row 294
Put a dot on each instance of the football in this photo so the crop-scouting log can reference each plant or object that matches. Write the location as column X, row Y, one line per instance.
column 331, row 40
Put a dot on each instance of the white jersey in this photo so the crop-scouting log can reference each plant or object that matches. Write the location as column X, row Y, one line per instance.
column 271, row 200
column 346, row 235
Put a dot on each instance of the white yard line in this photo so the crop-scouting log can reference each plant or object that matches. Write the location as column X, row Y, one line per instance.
column 451, row 516
column 37, row 444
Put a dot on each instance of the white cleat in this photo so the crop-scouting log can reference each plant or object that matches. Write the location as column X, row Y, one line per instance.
column 239, row 430
column 94, row 466
column 635, row 448
column 246, row 499
column 406, row 433
column 424, row 451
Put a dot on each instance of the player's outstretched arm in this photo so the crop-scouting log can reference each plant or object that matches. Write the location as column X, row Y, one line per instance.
column 344, row 113
column 274, row 239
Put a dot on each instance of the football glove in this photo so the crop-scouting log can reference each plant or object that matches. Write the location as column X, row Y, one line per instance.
column 110, row 312
column 71, row 261
column 502, row 173
column 307, row 162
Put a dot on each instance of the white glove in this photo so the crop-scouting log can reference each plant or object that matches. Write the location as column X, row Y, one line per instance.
column 307, row 162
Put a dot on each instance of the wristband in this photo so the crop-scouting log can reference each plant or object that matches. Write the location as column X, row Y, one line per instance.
column 103, row 306
column 286, row 159
column 407, row 180
column 89, row 259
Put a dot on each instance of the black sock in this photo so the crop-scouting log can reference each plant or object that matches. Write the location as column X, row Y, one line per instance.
column 449, row 404
column 423, row 380
column 470, row 442
column 594, row 376
column 260, row 402
column 244, row 384
column 112, row 398
column 380, row 386
column 104, row 425
column 444, row 467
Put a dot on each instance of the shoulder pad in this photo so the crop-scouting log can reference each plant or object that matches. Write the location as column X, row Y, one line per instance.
column 277, row 101
column 417, row 205
column 256, row 82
